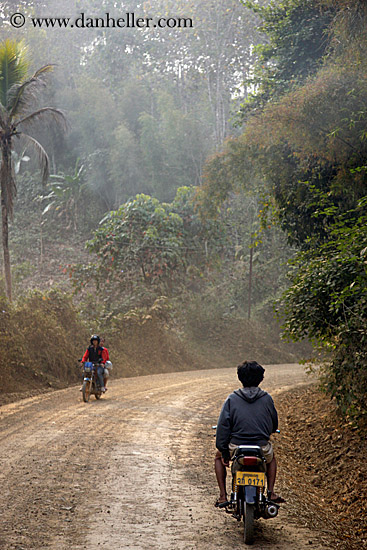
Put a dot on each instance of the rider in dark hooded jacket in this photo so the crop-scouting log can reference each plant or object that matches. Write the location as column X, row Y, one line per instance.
column 248, row 416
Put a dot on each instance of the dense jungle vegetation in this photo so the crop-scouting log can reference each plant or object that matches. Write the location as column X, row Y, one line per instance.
column 207, row 174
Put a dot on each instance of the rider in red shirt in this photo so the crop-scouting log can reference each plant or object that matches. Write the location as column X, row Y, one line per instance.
column 97, row 354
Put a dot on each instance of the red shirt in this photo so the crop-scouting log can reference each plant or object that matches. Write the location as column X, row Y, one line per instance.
column 102, row 352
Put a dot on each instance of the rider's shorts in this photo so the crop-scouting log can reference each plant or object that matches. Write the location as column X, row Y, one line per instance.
column 267, row 450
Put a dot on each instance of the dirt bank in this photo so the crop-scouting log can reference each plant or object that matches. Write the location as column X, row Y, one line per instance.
column 326, row 459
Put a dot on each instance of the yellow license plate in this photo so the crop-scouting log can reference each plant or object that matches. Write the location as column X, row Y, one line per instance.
column 257, row 479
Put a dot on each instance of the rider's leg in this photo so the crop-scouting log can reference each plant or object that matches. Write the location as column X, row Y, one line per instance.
column 100, row 371
column 271, row 472
column 221, row 474
column 271, row 475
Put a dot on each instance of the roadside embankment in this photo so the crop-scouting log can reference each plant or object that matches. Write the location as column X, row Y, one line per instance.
column 321, row 456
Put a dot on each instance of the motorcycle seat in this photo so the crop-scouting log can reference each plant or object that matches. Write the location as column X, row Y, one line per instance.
column 249, row 450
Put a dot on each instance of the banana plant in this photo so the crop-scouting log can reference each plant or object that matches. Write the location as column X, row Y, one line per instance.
column 65, row 195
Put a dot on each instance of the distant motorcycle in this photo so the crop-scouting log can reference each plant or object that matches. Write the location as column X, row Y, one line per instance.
column 248, row 497
column 91, row 385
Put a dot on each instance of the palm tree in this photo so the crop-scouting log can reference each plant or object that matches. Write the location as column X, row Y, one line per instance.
column 18, row 94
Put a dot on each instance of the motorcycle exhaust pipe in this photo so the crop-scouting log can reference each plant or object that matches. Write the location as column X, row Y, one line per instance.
column 271, row 511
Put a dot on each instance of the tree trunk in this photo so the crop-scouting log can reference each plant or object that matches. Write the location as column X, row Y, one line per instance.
column 41, row 246
column 250, row 283
column 5, row 236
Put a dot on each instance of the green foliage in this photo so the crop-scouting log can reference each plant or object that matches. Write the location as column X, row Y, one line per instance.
column 304, row 150
column 142, row 236
column 296, row 39
column 205, row 239
column 317, row 148
column 348, row 29
column 327, row 302
column 145, row 249
column 66, row 195
column 13, row 70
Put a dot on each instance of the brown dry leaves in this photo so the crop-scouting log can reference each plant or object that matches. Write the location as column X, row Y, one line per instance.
column 325, row 457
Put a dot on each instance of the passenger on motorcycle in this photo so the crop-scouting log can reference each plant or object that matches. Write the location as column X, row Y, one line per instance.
column 97, row 354
column 108, row 364
column 248, row 417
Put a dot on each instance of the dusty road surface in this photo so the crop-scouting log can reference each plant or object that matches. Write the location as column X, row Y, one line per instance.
column 131, row 471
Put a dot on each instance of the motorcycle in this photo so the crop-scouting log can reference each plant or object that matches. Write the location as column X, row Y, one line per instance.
column 248, row 497
column 91, row 385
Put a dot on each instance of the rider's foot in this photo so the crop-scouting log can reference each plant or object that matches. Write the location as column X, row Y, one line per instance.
column 81, row 388
column 220, row 500
column 275, row 498
column 103, row 389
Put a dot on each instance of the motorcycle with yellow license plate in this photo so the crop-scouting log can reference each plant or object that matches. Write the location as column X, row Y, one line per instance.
column 248, row 497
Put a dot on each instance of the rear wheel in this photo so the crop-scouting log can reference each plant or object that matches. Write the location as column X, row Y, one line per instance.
column 86, row 390
column 98, row 394
column 249, row 518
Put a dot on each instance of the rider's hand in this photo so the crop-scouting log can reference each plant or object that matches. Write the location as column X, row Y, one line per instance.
column 225, row 462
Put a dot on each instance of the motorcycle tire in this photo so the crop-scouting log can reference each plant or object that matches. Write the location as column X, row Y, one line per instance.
column 86, row 390
column 98, row 394
column 249, row 518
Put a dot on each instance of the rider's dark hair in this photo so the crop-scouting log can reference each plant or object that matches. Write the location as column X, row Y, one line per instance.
column 250, row 373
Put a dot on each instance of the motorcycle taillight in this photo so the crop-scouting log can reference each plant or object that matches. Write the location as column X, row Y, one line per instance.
column 248, row 460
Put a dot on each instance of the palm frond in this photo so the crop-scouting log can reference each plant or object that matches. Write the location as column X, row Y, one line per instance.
column 13, row 68
column 49, row 114
column 21, row 96
column 43, row 159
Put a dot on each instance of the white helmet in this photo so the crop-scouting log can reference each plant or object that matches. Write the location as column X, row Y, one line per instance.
column 108, row 365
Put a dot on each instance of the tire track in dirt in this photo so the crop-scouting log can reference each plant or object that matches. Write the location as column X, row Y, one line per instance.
column 133, row 470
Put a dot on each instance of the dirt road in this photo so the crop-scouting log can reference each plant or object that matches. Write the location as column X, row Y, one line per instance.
column 131, row 471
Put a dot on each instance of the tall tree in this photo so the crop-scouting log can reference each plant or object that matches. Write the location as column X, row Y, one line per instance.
column 18, row 93
column 295, row 41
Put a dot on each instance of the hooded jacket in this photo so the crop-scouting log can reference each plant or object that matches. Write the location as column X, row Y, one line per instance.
column 248, row 416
